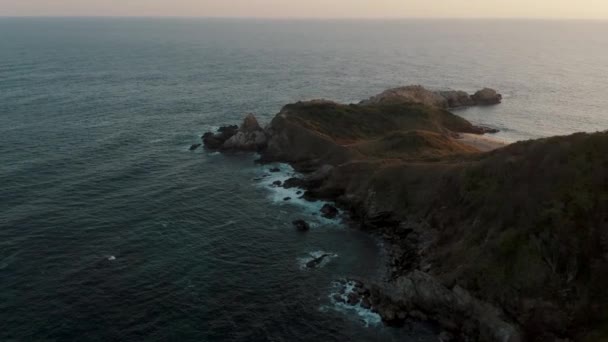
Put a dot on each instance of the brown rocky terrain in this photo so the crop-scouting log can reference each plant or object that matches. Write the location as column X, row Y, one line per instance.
column 507, row 245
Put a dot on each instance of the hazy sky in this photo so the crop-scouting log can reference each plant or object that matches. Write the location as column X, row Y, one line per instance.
column 593, row 9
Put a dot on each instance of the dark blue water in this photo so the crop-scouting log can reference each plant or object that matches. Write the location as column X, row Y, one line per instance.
column 110, row 229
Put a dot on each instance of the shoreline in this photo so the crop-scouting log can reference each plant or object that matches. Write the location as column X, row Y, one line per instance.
column 460, row 223
column 483, row 143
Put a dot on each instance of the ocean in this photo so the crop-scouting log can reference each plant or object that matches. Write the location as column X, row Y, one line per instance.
column 112, row 230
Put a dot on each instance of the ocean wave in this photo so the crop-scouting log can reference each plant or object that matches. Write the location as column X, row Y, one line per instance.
column 338, row 298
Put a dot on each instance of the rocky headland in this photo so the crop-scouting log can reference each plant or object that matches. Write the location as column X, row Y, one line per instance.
column 502, row 243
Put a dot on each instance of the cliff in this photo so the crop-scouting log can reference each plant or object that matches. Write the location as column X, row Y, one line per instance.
column 513, row 243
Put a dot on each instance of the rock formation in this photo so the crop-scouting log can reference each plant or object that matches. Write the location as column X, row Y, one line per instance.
column 416, row 94
column 501, row 246
column 249, row 137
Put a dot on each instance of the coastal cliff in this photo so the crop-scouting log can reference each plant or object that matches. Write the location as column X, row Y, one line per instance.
column 506, row 245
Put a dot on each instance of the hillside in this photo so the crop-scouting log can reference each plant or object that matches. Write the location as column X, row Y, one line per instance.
column 513, row 242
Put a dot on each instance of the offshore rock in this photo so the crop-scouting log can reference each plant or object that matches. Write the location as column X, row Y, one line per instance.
column 487, row 96
column 301, row 225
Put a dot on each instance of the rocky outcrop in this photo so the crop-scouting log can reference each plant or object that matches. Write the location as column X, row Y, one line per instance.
column 420, row 296
column 417, row 94
column 214, row 141
column 301, row 225
column 316, row 262
column 194, row 147
column 249, row 137
column 329, row 211
column 486, row 97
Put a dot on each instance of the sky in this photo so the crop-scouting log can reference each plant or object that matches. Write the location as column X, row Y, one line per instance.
column 552, row 9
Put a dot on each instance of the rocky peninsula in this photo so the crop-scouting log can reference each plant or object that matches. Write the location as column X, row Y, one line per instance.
column 494, row 243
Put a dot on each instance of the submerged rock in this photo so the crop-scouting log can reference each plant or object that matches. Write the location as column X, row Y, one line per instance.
column 194, row 147
column 274, row 170
column 314, row 263
column 329, row 211
column 301, row 225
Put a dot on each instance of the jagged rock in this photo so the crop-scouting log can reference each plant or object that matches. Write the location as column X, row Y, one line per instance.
column 487, row 96
column 277, row 183
column 484, row 130
column 293, row 183
column 317, row 261
column 301, row 225
column 353, row 298
column 457, row 98
column 329, row 211
column 249, row 137
column 194, row 147
column 215, row 141
column 250, row 124
column 365, row 303
column 246, row 141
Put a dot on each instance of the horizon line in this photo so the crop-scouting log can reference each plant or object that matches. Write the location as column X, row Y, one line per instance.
column 296, row 18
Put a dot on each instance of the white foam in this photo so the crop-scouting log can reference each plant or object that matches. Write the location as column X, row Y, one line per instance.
column 111, row 258
column 315, row 255
column 278, row 194
column 367, row 316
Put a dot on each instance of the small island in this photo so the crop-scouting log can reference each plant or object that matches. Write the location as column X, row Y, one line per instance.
column 492, row 242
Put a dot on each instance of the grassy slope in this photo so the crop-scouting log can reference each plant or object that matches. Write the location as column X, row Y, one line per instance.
column 525, row 227
column 374, row 131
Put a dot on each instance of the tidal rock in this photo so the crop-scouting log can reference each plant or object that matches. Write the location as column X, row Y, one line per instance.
column 484, row 130
column 249, row 137
column 457, row 98
column 215, row 141
column 287, row 199
column 274, row 170
column 277, row 183
column 487, row 96
column 365, row 303
column 329, row 211
column 338, row 298
column 246, row 141
column 301, row 225
column 353, row 298
column 293, row 183
column 194, row 147
column 314, row 263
